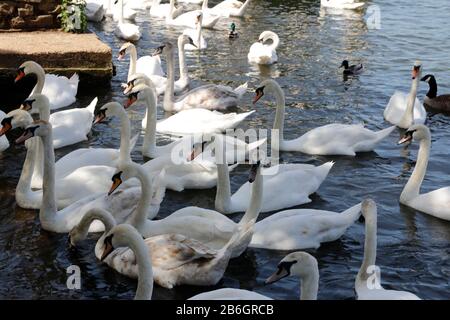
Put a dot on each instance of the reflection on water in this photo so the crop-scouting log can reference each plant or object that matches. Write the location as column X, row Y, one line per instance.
column 413, row 249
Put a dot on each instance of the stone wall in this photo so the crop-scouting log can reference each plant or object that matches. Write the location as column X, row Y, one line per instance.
column 29, row 14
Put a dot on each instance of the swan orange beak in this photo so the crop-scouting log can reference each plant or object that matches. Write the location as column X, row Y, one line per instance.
column 407, row 137
column 116, row 183
column 257, row 97
column 6, row 127
column 129, row 102
column 99, row 118
column 108, row 249
column 19, row 76
column 25, row 136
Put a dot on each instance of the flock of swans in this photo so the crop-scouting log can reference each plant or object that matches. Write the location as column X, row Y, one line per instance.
column 103, row 190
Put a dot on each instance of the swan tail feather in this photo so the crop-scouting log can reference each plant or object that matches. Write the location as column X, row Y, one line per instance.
column 241, row 116
column 241, row 235
column 353, row 213
column 324, row 169
column 241, row 90
column 384, row 133
column 256, row 144
column 92, row 105
column 74, row 80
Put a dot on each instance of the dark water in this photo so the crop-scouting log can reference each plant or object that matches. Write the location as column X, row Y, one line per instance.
column 413, row 248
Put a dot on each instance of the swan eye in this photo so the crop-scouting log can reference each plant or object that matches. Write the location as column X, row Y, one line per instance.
column 122, row 52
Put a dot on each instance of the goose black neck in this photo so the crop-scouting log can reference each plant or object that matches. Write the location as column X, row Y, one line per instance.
column 432, row 92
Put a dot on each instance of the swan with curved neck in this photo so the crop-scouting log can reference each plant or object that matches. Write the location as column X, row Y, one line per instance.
column 126, row 30
column 227, row 8
column 211, row 97
column 366, row 286
column 163, row 10
column 286, row 185
column 146, row 64
column 434, row 203
column 298, row 264
column 263, row 53
column 196, row 35
column 189, row 18
column 51, row 219
column 76, row 190
column 404, row 110
column 207, row 226
column 60, row 90
column 331, row 139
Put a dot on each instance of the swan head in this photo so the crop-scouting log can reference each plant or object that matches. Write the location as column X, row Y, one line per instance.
column 428, row 78
column 185, row 39
column 166, row 49
column 122, row 235
column 417, row 69
column 124, row 172
column 266, row 85
column 267, row 35
column 33, row 103
column 107, row 110
column 15, row 119
column 369, row 210
column 199, row 18
column 124, row 50
column 28, row 67
column 255, row 169
column 38, row 128
column 298, row 264
column 140, row 93
column 137, row 79
column 417, row 132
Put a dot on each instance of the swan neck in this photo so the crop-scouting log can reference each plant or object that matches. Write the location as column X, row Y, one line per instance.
column 182, row 61
column 120, row 11
column 125, row 137
column 24, row 184
column 96, row 214
column 279, row 115
column 40, row 74
column 44, row 111
column 310, row 285
column 223, row 192
column 275, row 41
column 408, row 117
column 139, row 217
column 205, row 5
column 48, row 209
column 145, row 271
column 412, row 187
column 370, row 248
column 255, row 206
column 244, row 7
column 133, row 61
column 149, row 145
column 168, row 96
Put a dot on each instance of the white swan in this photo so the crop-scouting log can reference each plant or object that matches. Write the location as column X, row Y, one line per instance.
column 176, row 259
column 236, row 149
column 302, row 228
column 298, row 264
column 95, row 11
column 81, row 183
column 436, row 202
column 341, row 4
column 368, row 281
column 113, row 10
column 262, row 53
column 148, row 65
column 188, row 19
column 191, row 1
column 69, row 126
column 209, row 96
column 404, row 109
column 64, row 220
column 126, row 30
column 196, row 35
column 158, row 81
column 207, row 226
column 163, row 10
column 60, row 90
column 227, row 8
column 4, row 143
column 331, row 139
column 286, row 185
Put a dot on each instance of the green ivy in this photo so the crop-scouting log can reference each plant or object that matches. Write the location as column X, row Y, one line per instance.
column 73, row 16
